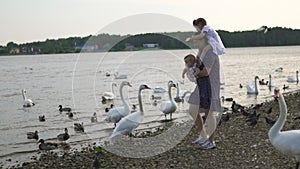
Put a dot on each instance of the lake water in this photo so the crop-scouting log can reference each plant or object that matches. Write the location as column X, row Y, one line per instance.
column 78, row 81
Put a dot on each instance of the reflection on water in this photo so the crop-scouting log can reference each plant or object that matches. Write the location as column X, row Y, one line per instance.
column 78, row 81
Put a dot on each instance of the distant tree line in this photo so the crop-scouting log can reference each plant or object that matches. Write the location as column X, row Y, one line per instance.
column 277, row 36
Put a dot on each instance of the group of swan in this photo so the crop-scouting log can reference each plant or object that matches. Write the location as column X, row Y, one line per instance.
column 125, row 121
column 127, row 124
column 287, row 142
column 253, row 89
column 180, row 95
column 115, row 114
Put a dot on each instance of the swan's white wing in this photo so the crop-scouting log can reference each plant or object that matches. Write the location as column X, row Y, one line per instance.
column 108, row 94
column 28, row 103
column 288, row 142
column 159, row 90
column 250, row 88
column 291, row 79
column 181, row 93
column 123, row 76
column 127, row 124
column 115, row 114
column 167, row 107
column 260, row 29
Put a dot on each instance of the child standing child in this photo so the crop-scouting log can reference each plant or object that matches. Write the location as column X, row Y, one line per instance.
column 205, row 31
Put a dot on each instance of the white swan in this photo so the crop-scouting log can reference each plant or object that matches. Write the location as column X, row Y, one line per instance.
column 159, row 90
column 27, row 102
column 180, row 95
column 109, row 95
column 130, row 122
column 293, row 78
column 115, row 114
column 118, row 76
column 169, row 107
column 251, row 89
column 270, row 82
column 287, row 142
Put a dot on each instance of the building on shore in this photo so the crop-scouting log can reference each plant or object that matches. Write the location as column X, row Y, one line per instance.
column 87, row 48
column 14, row 51
column 150, row 45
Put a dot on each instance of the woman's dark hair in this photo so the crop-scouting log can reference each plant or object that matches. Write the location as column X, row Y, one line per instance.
column 199, row 22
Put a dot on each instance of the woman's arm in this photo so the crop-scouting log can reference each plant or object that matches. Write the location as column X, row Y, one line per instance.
column 201, row 73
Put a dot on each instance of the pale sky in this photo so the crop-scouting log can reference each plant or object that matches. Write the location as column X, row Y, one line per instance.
column 36, row 20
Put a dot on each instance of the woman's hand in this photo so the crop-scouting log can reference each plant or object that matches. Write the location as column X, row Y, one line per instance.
column 196, row 72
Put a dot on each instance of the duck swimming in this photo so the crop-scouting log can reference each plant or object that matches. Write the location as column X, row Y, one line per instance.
column 64, row 136
column 61, row 109
column 33, row 135
column 47, row 146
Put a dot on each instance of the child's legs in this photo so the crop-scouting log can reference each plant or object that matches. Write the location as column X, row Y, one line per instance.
column 198, row 121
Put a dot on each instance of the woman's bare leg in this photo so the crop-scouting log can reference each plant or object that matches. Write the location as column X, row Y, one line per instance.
column 198, row 121
column 212, row 124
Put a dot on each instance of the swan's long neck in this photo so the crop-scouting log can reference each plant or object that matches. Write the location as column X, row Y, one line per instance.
column 275, row 130
column 112, row 88
column 270, row 80
column 187, row 92
column 24, row 96
column 177, row 94
column 170, row 95
column 255, row 85
column 122, row 98
column 140, row 102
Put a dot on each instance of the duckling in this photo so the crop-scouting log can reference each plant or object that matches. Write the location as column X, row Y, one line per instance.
column 64, row 136
column 94, row 118
column 155, row 97
column 42, row 118
column 270, row 121
column 108, row 108
column 154, row 103
column 70, row 115
column 133, row 108
column 61, row 109
column 47, row 146
column 285, row 87
column 33, row 135
column 78, row 127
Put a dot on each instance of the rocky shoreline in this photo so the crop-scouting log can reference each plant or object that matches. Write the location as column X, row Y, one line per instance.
column 239, row 145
